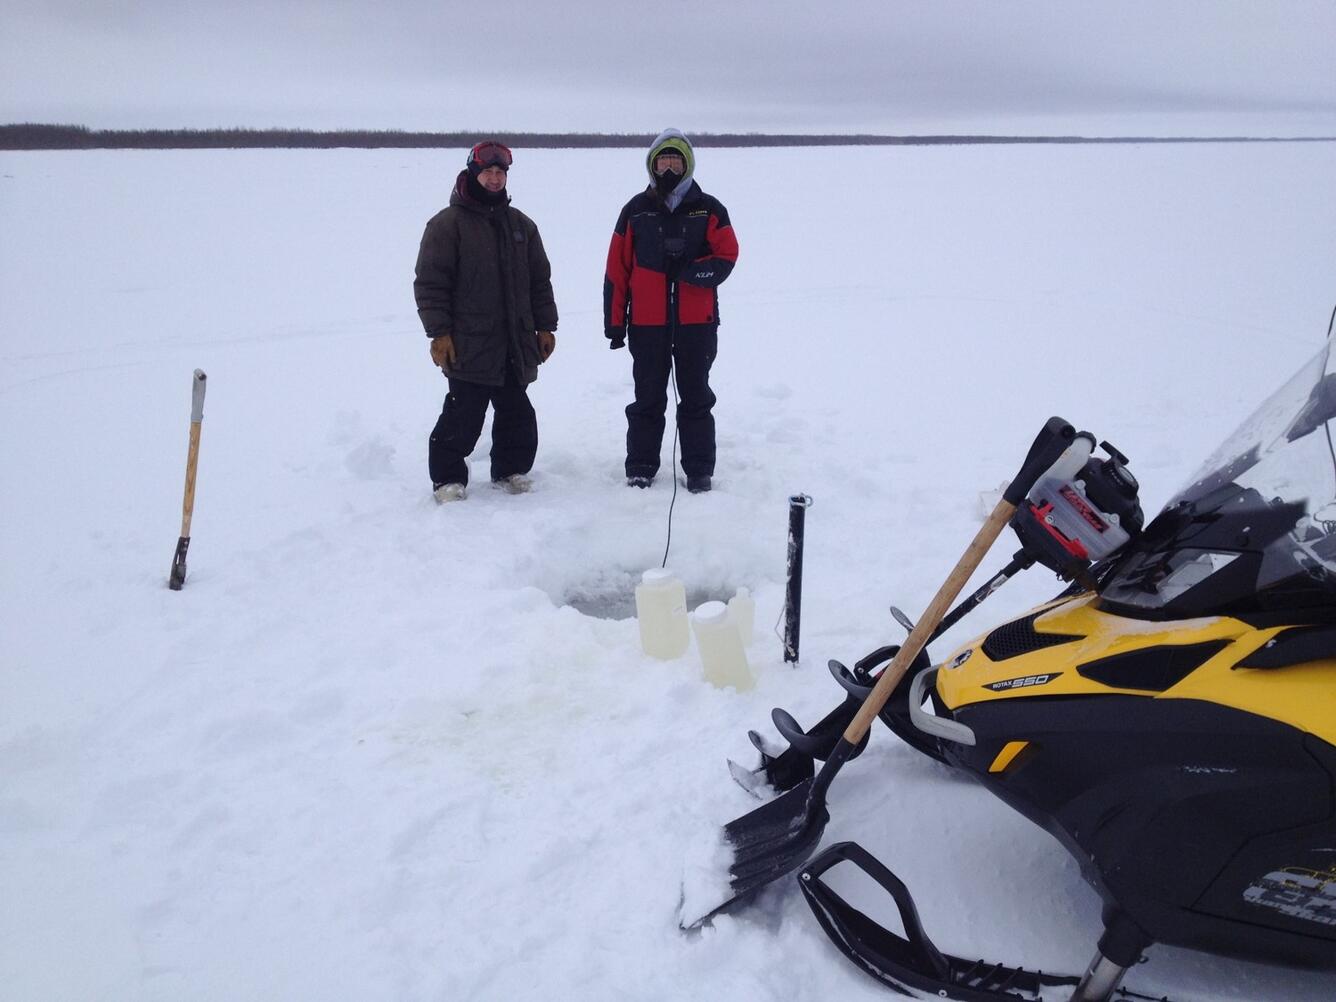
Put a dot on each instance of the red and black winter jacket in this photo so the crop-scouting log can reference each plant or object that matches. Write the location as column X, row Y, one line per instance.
column 687, row 252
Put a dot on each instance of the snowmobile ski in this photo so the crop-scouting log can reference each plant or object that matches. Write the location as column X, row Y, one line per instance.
column 912, row 964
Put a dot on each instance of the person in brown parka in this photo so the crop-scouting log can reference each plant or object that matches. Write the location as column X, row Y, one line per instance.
column 484, row 293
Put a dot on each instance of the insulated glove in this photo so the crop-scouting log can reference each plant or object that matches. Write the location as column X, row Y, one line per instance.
column 443, row 351
column 616, row 337
column 674, row 251
column 547, row 344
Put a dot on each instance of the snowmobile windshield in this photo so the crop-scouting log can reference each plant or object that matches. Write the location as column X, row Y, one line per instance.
column 1254, row 532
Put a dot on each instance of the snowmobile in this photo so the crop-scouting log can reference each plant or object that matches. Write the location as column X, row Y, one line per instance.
column 1170, row 717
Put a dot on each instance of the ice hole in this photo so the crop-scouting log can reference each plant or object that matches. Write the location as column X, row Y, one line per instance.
column 616, row 599
column 620, row 604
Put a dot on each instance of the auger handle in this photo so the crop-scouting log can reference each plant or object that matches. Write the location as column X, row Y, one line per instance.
column 1047, row 448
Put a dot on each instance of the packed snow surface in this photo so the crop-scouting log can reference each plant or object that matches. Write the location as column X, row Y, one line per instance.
column 380, row 749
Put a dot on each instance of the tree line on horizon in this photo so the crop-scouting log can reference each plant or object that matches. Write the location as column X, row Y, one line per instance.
column 42, row 136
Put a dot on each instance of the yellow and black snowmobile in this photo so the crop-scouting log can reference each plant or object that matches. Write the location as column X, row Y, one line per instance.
column 1170, row 718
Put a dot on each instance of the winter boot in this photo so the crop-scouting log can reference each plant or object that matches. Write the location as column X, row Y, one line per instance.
column 445, row 493
column 516, row 483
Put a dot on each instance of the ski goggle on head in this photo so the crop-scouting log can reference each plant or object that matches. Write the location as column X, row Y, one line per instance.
column 490, row 154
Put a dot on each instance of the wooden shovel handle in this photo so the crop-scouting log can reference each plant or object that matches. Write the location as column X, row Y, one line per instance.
column 192, row 456
column 937, row 609
column 1049, row 445
column 192, row 461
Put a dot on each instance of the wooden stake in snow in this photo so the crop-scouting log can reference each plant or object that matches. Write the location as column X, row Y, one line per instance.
column 178, row 575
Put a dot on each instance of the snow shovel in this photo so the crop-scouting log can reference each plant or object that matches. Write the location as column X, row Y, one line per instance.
column 779, row 837
column 177, row 577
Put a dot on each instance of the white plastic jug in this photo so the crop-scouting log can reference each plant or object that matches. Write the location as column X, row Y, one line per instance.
column 661, row 610
column 742, row 611
column 720, row 647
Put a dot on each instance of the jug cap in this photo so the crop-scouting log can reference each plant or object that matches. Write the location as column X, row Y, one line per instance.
column 659, row 575
column 710, row 612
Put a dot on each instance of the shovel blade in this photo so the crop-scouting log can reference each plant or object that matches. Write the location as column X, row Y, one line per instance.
column 775, row 839
column 178, row 575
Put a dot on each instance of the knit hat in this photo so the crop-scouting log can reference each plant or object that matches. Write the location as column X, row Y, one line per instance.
column 671, row 141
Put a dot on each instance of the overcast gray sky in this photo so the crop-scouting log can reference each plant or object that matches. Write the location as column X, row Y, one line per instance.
column 896, row 66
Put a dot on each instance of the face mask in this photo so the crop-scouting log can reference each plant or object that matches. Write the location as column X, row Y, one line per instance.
column 667, row 181
column 482, row 195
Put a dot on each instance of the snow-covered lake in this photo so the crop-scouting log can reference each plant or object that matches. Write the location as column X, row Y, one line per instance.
column 374, row 750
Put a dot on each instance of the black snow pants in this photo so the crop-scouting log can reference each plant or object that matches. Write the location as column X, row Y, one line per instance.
column 514, row 430
column 690, row 353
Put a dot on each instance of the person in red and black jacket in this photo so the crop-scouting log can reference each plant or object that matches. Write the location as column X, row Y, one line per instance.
column 672, row 247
